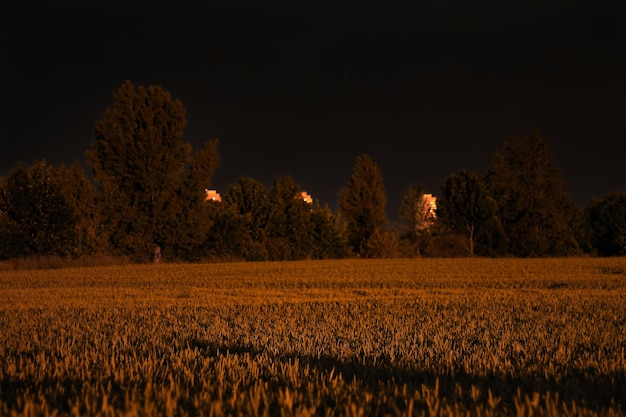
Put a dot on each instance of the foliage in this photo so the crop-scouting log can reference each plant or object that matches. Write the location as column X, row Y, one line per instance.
column 535, row 211
column 351, row 337
column 362, row 206
column 227, row 233
column 290, row 219
column 79, row 194
column 189, row 230
column 151, row 193
column 328, row 234
column 139, row 159
column 606, row 218
column 381, row 244
column 277, row 225
column 443, row 243
column 39, row 216
column 466, row 208
column 248, row 200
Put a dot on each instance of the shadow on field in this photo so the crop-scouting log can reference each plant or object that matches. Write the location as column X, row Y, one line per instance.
column 584, row 387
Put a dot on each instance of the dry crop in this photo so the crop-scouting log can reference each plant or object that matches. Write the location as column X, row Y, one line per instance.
column 350, row 337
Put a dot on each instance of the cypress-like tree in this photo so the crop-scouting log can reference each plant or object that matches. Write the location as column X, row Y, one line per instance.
column 536, row 213
column 138, row 158
column 362, row 206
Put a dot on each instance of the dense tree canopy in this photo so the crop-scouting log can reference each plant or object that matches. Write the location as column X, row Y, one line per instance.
column 80, row 195
column 249, row 199
column 466, row 208
column 606, row 218
column 139, row 159
column 39, row 216
column 187, row 232
column 276, row 225
column 290, row 217
column 537, row 215
column 149, row 190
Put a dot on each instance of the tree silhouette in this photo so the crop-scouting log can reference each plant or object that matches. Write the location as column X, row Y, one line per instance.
column 138, row 158
column 362, row 206
column 607, row 223
column 248, row 203
column 37, row 218
column 466, row 208
column 187, row 232
column 535, row 211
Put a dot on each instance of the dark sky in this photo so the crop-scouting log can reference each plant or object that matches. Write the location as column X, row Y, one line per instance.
column 425, row 90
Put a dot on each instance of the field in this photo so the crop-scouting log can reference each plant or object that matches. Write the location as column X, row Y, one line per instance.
column 350, row 337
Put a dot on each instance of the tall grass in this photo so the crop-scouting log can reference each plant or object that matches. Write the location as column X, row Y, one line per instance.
column 385, row 337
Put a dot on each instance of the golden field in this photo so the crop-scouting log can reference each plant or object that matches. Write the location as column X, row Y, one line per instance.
column 346, row 337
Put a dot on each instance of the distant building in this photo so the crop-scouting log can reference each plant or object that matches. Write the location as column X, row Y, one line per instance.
column 212, row 195
column 430, row 206
column 307, row 197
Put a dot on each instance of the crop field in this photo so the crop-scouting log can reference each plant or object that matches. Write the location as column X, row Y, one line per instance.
column 479, row 337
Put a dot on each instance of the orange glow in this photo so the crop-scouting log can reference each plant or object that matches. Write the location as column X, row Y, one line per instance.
column 212, row 195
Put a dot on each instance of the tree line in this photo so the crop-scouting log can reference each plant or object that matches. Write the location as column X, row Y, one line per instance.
column 148, row 192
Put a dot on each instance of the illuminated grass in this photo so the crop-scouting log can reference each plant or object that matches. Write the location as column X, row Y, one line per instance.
column 386, row 337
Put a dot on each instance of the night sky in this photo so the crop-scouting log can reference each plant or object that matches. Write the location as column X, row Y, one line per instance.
column 301, row 91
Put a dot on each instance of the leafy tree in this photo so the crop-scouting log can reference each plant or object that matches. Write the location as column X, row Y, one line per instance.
column 329, row 235
column 382, row 244
column 249, row 201
column 415, row 216
column 466, row 208
column 606, row 218
column 138, row 158
column 188, row 233
column 256, row 225
column 80, row 195
column 290, row 234
column 228, row 233
column 362, row 205
column 536, row 213
column 36, row 218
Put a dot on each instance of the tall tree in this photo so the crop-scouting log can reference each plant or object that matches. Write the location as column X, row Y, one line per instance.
column 606, row 218
column 138, row 158
column 535, row 211
column 362, row 205
column 466, row 208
